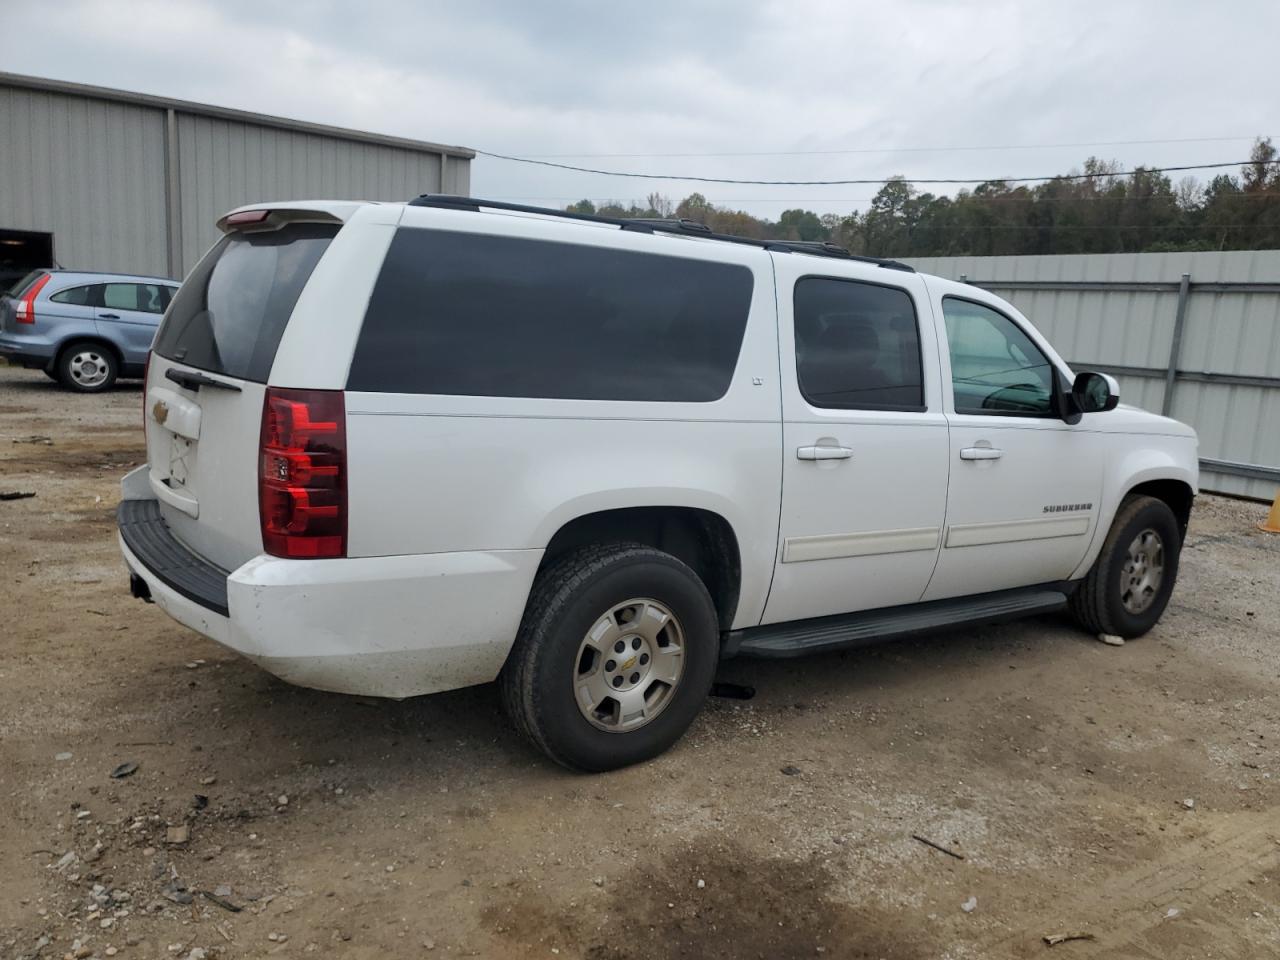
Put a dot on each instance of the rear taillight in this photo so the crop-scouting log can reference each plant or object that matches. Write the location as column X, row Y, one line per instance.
column 302, row 473
column 27, row 305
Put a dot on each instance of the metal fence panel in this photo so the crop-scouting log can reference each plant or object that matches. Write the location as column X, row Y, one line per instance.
column 1120, row 312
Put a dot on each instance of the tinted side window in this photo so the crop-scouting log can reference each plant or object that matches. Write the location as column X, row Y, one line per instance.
column 857, row 345
column 120, row 296
column 475, row 315
column 995, row 367
column 230, row 314
column 152, row 298
column 79, row 296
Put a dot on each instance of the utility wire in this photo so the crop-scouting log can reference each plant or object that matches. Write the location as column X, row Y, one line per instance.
column 635, row 201
column 832, row 153
column 954, row 181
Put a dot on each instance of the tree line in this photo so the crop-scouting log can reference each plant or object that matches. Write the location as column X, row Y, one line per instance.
column 1105, row 213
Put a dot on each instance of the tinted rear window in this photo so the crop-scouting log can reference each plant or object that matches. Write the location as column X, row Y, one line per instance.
column 229, row 316
column 20, row 287
column 857, row 345
column 474, row 315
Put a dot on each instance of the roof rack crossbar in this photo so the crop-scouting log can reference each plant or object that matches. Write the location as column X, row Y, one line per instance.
column 681, row 225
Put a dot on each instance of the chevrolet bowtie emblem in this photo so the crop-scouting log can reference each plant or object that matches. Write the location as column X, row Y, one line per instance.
column 630, row 663
column 160, row 411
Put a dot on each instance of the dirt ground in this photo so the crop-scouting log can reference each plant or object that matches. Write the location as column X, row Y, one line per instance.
column 1127, row 793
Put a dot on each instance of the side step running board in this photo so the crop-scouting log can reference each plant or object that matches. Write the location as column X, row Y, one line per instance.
column 802, row 637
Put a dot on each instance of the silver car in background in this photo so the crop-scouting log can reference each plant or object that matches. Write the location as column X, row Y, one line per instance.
column 83, row 329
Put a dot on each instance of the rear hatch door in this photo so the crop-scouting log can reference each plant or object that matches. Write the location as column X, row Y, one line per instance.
column 207, row 381
column 9, row 301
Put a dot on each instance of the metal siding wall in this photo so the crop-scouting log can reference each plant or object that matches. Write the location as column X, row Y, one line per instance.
column 224, row 164
column 90, row 172
column 1232, row 332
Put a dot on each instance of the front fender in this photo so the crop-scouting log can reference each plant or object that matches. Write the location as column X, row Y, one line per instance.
column 1173, row 458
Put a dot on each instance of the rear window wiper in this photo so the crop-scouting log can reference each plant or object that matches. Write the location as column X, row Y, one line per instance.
column 194, row 381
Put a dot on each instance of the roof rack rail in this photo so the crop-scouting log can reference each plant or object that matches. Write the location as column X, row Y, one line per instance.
column 671, row 224
column 681, row 225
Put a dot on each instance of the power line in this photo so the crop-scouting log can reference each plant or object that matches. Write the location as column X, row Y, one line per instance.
column 1024, row 198
column 954, row 181
column 1055, row 227
column 871, row 150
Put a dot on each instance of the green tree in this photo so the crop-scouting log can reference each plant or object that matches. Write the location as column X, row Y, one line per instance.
column 1101, row 212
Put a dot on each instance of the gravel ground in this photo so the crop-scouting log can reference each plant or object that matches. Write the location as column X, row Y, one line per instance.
column 1126, row 793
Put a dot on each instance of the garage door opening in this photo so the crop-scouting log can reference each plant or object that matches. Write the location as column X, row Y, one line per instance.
column 22, row 251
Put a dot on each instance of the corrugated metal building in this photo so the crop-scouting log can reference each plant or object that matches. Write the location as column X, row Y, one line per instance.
column 1193, row 335
column 100, row 179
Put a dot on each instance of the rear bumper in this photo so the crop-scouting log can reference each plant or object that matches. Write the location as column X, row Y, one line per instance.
column 27, row 351
column 376, row 626
column 146, row 537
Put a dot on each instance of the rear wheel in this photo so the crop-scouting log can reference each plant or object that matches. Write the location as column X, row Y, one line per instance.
column 1130, row 584
column 87, row 367
column 614, row 659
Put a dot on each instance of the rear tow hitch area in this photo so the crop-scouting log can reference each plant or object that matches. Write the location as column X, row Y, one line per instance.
column 138, row 587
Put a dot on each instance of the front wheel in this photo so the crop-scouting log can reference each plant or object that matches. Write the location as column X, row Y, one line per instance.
column 614, row 658
column 1130, row 583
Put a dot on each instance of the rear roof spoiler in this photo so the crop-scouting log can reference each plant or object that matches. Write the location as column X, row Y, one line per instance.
column 296, row 211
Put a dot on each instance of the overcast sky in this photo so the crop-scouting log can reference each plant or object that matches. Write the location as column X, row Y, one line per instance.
column 891, row 80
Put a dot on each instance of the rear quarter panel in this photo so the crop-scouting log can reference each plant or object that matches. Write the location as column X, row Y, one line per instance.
column 430, row 473
column 57, row 324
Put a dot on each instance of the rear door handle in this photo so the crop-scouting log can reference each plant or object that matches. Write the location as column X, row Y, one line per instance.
column 108, row 316
column 981, row 453
column 824, row 453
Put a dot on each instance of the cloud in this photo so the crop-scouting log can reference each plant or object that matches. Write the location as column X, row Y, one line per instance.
column 683, row 77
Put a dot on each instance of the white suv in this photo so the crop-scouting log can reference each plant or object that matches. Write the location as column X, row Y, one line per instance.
column 401, row 448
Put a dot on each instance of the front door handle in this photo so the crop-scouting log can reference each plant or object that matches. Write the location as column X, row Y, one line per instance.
column 981, row 453
column 824, row 453
column 108, row 316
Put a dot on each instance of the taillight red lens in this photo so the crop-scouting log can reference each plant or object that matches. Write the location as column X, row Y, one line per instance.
column 302, row 473
column 27, row 305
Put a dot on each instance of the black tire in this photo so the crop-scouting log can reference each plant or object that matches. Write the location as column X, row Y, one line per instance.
column 1098, row 603
column 72, row 362
column 573, row 593
column 51, row 374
